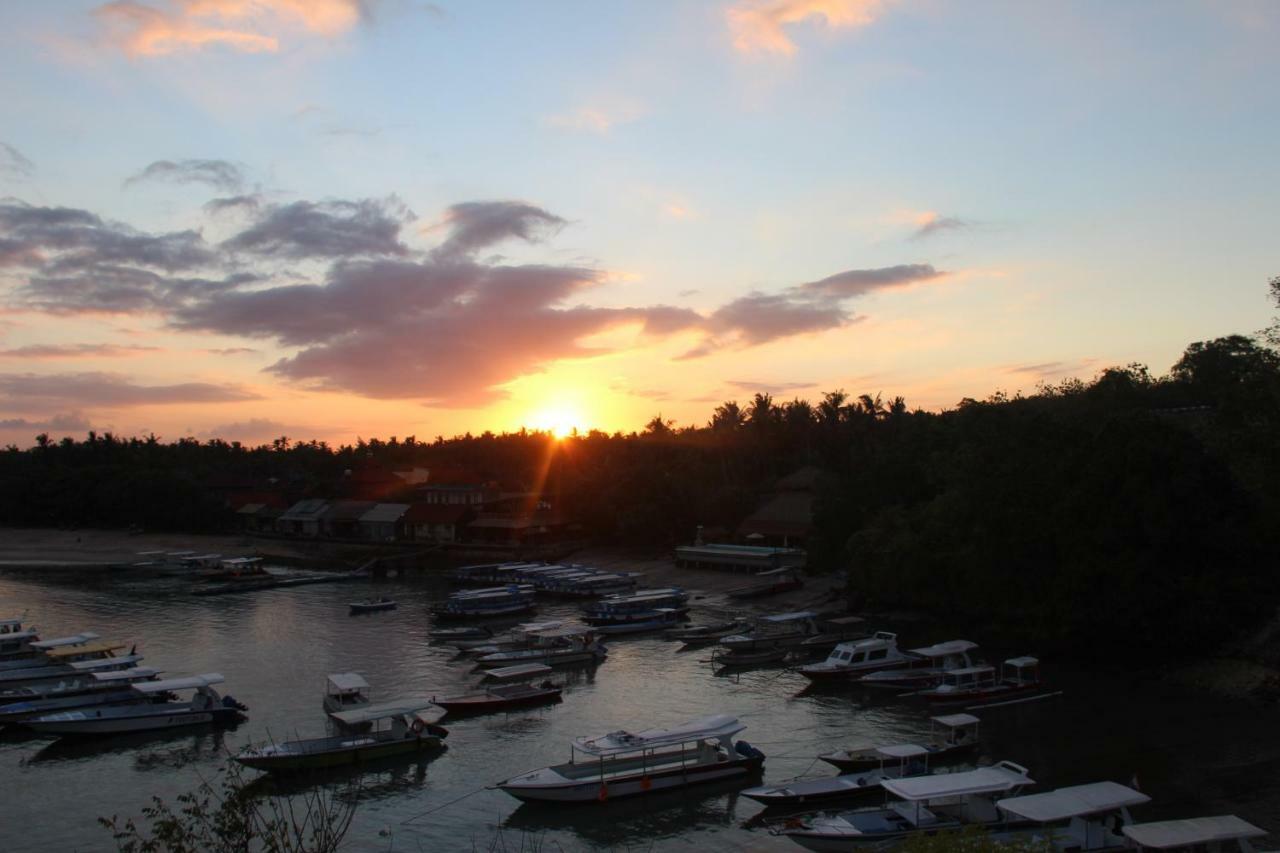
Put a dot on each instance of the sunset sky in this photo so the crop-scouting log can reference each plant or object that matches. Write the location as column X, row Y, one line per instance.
column 339, row 218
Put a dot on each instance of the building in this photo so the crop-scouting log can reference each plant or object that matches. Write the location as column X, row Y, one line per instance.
column 785, row 516
column 258, row 517
column 425, row 522
column 303, row 518
column 383, row 522
column 342, row 519
column 535, row 527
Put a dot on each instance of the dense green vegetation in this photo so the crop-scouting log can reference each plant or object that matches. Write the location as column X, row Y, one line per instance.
column 1136, row 506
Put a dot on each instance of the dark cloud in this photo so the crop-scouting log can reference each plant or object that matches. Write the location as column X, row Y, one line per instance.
column 250, row 203
column 13, row 164
column 258, row 431
column 939, row 224
column 329, row 229
column 475, row 225
column 53, row 351
column 851, row 283
column 219, row 174
column 113, row 289
column 1051, row 368
column 65, row 422
column 231, row 351
column 109, row 389
column 751, row 387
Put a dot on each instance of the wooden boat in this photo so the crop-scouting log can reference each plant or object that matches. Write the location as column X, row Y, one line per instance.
column 711, row 633
column 842, row 629
column 927, row 667
column 897, row 761
column 771, row 632
column 953, row 736
column 774, row 582
column 923, row 804
column 468, row 632
column 345, row 691
column 412, row 729
column 100, row 688
column 557, row 647
column 519, row 672
column 663, row 619
column 36, row 653
column 625, row 764
column 1079, row 818
column 749, row 658
column 977, row 686
column 1223, row 832
column 204, row 707
column 371, row 605
column 880, row 651
column 501, row 697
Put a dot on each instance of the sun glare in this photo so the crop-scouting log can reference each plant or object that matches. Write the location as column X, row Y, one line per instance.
column 560, row 421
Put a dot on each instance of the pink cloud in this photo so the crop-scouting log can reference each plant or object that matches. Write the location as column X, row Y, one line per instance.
column 757, row 26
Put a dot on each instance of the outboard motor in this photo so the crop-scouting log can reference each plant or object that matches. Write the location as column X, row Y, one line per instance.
column 746, row 750
column 230, row 702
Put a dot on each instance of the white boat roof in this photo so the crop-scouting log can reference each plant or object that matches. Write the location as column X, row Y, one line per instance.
column 955, row 721
column 104, row 663
column 1165, row 834
column 1075, row 801
column 133, row 673
column 346, row 682
column 190, row 682
column 1023, row 662
column 642, row 594
column 419, row 706
column 714, row 726
column 901, row 750
column 984, row 780
column 950, row 647
column 790, row 617
column 869, row 642
column 522, row 670
column 57, row 642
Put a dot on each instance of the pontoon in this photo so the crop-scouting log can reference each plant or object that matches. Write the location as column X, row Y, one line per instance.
column 1195, row 834
column 952, row 736
column 624, row 764
column 204, row 707
column 880, row 651
column 896, row 762
column 1082, row 817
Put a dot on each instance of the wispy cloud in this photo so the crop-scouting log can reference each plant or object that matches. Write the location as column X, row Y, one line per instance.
column 56, row 351
column 259, row 431
column 109, row 389
column 760, row 26
column 13, row 164
column 931, row 223
column 598, row 117
column 219, row 174
column 752, row 386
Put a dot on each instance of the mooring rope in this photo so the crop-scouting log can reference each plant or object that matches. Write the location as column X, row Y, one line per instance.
column 446, row 805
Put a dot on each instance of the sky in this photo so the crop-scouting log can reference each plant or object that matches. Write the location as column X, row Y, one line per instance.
column 334, row 219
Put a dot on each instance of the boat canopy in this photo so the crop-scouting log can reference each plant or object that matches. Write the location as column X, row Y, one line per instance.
column 91, row 648
column 134, row 673
column 790, row 617
column 1022, row 663
column 522, row 670
column 191, row 682
column 951, row 647
column 418, row 706
column 985, row 780
column 1167, row 834
column 901, row 750
column 59, row 642
column 11, row 624
column 345, row 683
column 715, row 726
column 956, row 721
column 1075, row 801
column 105, row 663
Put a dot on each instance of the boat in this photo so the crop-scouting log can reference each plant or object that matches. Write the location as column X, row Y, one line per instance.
column 519, row 637
column 663, row 618
column 731, row 659
column 501, row 697
column 842, row 629
column 953, row 736
column 636, row 607
column 519, row 672
column 1079, row 818
column 412, row 728
column 101, row 688
column 704, row 634
column 204, row 707
column 372, row 605
column 771, row 632
column 775, row 582
column 1195, row 834
column 625, row 764
column 36, row 653
column 13, row 682
column 976, row 686
column 488, row 603
column 927, row 668
column 897, row 761
column 923, row 804
column 468, row 632
column 880, row 651
column 15, row 640
column 554, row 647
column 344, row 691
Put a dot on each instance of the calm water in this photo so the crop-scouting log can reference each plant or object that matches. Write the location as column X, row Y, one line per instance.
column 1193, row 754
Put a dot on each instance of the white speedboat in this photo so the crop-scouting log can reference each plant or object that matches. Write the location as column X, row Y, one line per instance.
column 1224, row 832
column 922, row 804
column 897, row 761
column 1079, row 818
column 952, row 736
column 204, row 707
column 927, row 667
column 880, row 651
column 624, row 764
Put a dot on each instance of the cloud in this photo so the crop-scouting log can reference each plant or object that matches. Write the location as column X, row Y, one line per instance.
column 219, row 174
column 599, row 119
column 850, row 283
column 54, row 351
column 231, row 351
column 64, row 422
column 13, row 164
column 257, row 431
column 251, row 203
column 328, row 229
column 109, row 389
column 1052, row 368
column 476, row 225
column 751, row 386
column 757, row 26
column 247, row 26
column 930, row 223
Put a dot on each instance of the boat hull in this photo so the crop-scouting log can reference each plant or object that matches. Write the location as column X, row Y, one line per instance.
column 341, row 756
column 85, row 725
column 484, row 704
column 592, row 791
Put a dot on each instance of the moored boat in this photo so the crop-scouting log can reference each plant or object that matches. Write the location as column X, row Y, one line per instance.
column 518, row 672
column 841, row 629
column 204, row 707
column 15, row 640
column 927, row 667
column 771, row 582
column 880, row 651
column 640, row 606
column 1082, row 818
column 468, row 632
column 953, row 736
column 782, row 630
column 704, row 634
column 371, row 605
column 1224, row 832
column 897, row 761
column 501, row 697
column 975, row 686
column 489, row 603
column 95, row 688
column 36, row 653
column 663, row 618
column 555, row 647
column 623, row 764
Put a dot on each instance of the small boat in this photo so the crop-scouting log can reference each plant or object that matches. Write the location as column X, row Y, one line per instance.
column 36, row 653
column 345, row 691
column 749, row 658
column 489, row 603
column 927, row 668
column 880, row 651
column 924, row 804
column 519, row 672
column 896, row 762
column 372, row 605
column 556, row 647
column 15, row 640
column 953, row 736
column 101, row 688
column 772, row 632
column 976, row 686
column 469, row 632
column 1195, row 834
column 412, row 729
column 62, row 678
column 63, row 660
column 1079, row 818
column 699, row 634
column 834, row 632
column 204, row 707
column 519, row 637
column 775, row 582
column 624, row 764
column 501, row 697
column 636, row 607
column 663, row 619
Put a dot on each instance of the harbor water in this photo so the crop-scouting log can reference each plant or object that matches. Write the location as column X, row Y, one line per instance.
column 1193, row 753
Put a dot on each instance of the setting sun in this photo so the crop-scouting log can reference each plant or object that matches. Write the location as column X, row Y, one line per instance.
column 560, row 421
